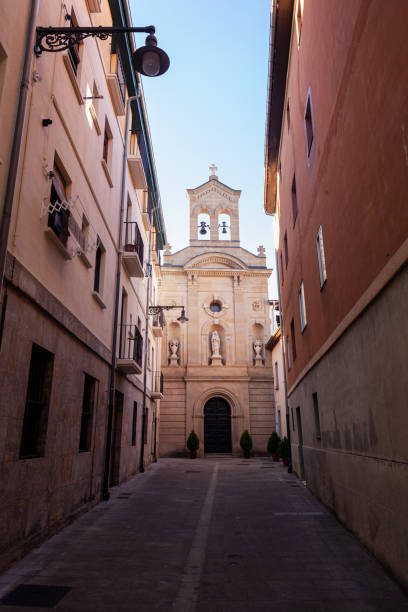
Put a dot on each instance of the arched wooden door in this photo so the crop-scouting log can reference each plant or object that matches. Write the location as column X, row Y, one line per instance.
column 217, row 426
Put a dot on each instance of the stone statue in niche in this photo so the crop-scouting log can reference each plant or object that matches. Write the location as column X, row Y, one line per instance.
column 174, row 345
column 258, row 347
column 216, row 358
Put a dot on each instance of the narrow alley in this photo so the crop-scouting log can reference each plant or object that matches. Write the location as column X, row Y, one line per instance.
column 201, row 535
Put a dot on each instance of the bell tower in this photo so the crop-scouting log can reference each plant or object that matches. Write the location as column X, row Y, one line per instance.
column 214, row 213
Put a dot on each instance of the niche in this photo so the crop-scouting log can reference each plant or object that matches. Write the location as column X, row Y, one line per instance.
column 223, row 346
column 174, row 344
column 257, row 335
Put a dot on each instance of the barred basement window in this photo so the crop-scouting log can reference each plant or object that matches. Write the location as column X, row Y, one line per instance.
column 37, row 403
column 88, row 403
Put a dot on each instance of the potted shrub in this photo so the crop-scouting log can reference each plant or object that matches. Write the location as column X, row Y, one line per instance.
column 273, row 445
column 246, row 444
column 283, row 450
column 193, row 444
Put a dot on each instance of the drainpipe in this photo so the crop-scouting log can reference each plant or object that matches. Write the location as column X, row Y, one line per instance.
column 285, row 385
column 14, row 162
column 149, row 267
column 111, row 401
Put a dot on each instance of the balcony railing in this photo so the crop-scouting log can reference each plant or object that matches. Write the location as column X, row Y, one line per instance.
column 133, row 239
column 130, row 349
column 157, row 385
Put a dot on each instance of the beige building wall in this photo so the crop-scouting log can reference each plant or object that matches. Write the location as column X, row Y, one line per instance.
column 50, row 299
column 224, row 289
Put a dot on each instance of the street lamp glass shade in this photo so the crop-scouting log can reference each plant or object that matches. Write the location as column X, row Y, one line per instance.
column 150, row 60
column 182, row 318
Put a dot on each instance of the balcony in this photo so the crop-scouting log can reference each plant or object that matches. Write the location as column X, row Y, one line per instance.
column 157, row 386
column 132, row 255
column 130, row 350
column 117, row 84
column 135, row 164
column 158, row 324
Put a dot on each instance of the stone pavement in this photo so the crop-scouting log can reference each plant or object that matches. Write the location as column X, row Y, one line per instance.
column 206, row 535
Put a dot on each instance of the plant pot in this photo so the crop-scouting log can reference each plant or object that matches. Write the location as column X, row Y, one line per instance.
column 285, row 461
column 275, row 457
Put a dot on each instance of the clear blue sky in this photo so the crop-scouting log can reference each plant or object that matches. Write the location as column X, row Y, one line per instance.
column 210, row 107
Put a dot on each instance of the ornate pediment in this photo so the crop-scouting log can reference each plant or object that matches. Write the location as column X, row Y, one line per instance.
column 216, row 262
column 214, row 190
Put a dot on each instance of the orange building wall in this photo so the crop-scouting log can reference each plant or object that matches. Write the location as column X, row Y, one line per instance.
column 356, row 185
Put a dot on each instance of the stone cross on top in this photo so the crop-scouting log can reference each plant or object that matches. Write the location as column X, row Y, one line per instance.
column 213, row 169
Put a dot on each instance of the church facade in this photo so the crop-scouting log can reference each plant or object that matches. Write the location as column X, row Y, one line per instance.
column 218, row 378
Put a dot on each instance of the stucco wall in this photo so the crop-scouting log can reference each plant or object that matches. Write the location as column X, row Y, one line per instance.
column 359, row 468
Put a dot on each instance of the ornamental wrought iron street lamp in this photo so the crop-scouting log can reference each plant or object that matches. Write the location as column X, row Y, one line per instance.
column 154, row 310
column 149, row 60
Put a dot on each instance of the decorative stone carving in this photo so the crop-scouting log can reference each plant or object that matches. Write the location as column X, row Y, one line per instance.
column 216, row 359
column 258, row 348
column 174, row 346
column 256, row 305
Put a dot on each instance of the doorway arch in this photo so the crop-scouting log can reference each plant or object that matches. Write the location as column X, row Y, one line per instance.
column 217, row 426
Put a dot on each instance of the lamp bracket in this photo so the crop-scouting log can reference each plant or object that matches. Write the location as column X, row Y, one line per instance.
column 58, row 39
column 154, row 310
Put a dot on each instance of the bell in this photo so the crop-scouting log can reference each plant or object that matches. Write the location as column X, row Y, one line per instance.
column 203, row 231
column 224, row 228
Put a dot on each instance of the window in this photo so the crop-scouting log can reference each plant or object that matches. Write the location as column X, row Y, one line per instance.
column 285, row 244
column 134, row 423
column 288, row 354
column 309, row 131
column 281, row 263
column 316, row 417
column 321, row 257
column 73, row 52
column 292, row 331
column 276, row 375
column 99, row 266
column 58, row 220
column 302, row 306
column 107, row 144
column 215, row 307
column 37, row 403
column 3, row 64
column 299, row 19
column 294, row 201
column 85, row 438
column 116, row 67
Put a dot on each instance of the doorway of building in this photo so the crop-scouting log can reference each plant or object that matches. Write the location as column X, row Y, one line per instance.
column 217, row 426
column 116, row 439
